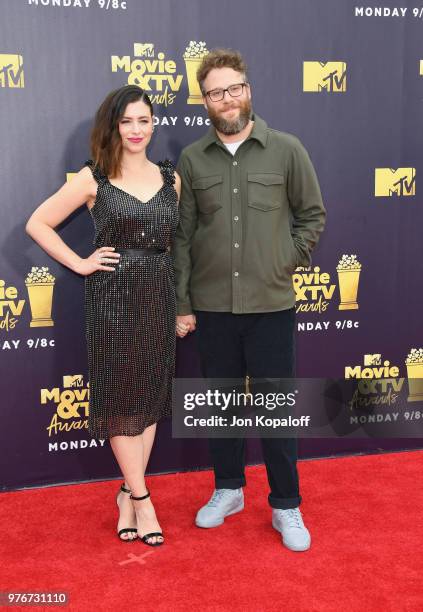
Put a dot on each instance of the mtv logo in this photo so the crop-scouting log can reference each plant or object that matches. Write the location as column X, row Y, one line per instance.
column 328, row 76
column 143, row 50
column 372, row 360
column 399, row 182
column 73, row 381
column 11, row 71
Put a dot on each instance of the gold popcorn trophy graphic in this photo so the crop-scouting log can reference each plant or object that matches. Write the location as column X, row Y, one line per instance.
column 193, row 55
column 414, row 363
column 348, row 270
column 40, row 285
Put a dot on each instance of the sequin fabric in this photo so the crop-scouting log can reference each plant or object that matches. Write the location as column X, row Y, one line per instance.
column 130, row 313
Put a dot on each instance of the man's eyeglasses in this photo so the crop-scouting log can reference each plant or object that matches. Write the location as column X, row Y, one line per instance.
column 234, row 91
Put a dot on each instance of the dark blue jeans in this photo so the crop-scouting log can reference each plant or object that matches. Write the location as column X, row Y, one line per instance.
column 260, row 346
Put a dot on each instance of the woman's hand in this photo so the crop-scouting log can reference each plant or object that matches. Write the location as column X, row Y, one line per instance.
column 97, row 260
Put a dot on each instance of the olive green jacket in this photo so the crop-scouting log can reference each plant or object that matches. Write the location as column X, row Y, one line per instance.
column 246, row 222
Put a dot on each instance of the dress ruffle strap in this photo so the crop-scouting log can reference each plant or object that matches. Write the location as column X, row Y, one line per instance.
column 97, row 173
column 168, row 171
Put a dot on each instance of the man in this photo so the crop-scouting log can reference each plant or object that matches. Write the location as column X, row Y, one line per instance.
column 250, row 213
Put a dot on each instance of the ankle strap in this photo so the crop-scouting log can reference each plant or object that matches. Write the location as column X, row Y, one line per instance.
column 122, row 488
column 140, row 498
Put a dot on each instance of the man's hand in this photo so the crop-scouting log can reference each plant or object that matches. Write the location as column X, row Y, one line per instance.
column 184, row 324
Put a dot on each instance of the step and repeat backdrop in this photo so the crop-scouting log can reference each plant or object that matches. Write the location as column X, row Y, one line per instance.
column 347, row 79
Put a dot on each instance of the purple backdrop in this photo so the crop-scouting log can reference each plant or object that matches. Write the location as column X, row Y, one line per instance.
column 347, row 82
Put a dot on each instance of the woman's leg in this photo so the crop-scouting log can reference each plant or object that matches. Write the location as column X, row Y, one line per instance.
column 148, row 438
column 132, row 454
column 129, row 453
column 129, row 457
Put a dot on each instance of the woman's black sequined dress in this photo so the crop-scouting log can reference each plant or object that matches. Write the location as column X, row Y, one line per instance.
column 130, row 313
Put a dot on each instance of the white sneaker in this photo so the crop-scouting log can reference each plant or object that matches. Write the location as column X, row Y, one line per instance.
column 289, row 523
column 222, row 503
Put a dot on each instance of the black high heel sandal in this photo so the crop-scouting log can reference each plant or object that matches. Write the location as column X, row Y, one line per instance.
column 126, row 529
column 147, row 536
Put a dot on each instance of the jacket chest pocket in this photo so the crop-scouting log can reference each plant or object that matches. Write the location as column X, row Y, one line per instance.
column 208, row 193
column 265, row 190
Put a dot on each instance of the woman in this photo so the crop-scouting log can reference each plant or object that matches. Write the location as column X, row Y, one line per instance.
column 129, row 291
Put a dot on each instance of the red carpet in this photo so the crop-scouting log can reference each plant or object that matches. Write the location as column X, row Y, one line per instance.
column 363, row 512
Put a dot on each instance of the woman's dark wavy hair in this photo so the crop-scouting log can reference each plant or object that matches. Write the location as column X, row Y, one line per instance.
column 106, row 143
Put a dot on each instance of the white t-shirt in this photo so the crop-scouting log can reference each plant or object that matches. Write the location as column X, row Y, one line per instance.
column 233, row 146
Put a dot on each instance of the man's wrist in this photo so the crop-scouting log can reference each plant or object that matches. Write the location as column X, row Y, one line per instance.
column 184, row 309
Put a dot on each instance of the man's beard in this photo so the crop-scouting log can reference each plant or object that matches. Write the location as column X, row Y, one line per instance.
column 228, row 127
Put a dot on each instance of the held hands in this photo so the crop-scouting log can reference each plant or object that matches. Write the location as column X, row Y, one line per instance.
column 184, row 325
column 97, row 260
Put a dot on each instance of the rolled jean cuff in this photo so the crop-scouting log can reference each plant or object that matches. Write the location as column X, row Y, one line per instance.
column 230, row 483
column 284, row 503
